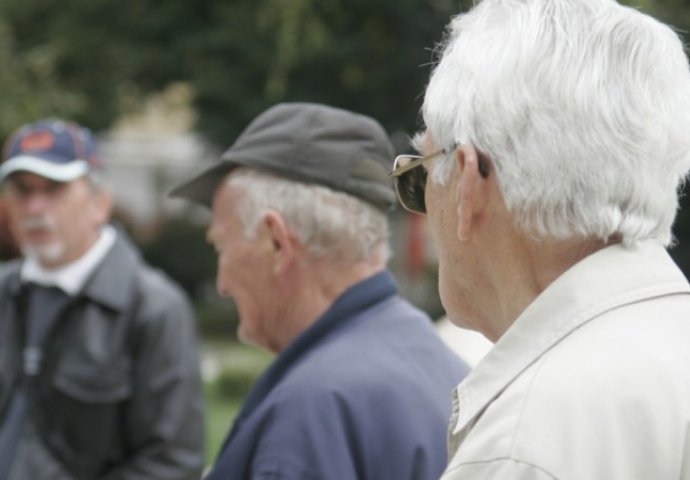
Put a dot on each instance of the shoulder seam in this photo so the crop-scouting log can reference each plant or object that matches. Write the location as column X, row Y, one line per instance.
column 506, row 458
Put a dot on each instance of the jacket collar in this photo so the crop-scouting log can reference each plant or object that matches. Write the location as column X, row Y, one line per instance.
column 350, row 304
column 607, row 279
column 72, row 277
column 112, row 283
column 14, row 281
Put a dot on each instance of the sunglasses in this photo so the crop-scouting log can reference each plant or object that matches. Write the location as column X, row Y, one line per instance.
column 410, row 175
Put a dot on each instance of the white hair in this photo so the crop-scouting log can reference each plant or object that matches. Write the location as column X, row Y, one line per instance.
column 330, row 225
column 582, row 105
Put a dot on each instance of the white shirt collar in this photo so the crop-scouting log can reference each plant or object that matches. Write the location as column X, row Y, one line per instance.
column 71, row 277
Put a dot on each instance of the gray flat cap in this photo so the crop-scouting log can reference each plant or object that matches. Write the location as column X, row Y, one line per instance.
column 310, row 143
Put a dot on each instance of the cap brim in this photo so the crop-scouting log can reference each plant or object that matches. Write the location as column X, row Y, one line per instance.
column 65, row 172
column 201, row 188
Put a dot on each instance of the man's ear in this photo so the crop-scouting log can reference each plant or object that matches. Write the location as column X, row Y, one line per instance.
column 282, row 243
column 468, row 190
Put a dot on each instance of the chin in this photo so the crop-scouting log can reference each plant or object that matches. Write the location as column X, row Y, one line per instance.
column 461, row 321
column 246, row 336
column 255, row 340
column 243, row 337
column 49, row 254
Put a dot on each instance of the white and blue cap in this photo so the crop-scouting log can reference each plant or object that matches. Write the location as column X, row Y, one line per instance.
column 52, row 148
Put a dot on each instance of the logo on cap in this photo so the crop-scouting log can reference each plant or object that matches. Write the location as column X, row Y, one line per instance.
column 37, row 141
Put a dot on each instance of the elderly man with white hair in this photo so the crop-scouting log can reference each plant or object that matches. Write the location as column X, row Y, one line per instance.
column 557, row 136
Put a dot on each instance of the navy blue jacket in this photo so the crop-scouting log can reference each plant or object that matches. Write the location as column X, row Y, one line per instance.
column 365, row 393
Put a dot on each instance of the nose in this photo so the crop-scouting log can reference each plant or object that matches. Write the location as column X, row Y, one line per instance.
column 35, row 202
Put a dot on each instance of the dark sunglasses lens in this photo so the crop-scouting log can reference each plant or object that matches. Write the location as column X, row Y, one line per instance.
column 411, row 186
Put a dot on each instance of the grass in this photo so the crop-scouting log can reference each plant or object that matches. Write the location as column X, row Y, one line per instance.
column 226, row 367
column 220, row 413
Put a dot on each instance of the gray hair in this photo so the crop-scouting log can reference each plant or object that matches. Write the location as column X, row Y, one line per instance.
column 583, row 107
column 330, row 225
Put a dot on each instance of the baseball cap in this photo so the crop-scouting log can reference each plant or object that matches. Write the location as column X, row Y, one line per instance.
column 52, row 148
column 309, row 143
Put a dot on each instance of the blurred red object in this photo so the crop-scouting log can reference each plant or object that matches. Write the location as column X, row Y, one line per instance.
column 416, row 246
column 8, row 246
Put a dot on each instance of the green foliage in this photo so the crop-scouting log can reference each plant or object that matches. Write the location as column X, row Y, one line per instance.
column 680, row 251
column 220, row 413
column 180, row 249
column 217, row 318
column 238, row 368
column 369, row 56
column 234, row 383
column 92, row 59
column 27, row 86
column 673, row 12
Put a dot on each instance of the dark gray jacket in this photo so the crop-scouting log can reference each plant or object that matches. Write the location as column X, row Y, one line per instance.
column 119, row 394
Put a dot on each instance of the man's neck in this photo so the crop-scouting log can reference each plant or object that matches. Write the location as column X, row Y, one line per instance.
column 523, row 271
column 314, row 289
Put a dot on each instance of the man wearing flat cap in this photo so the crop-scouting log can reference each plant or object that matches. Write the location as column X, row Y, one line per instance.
column 99, row 372
column 360, row 386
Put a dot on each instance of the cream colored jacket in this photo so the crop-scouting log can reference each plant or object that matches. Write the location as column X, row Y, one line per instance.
column 592, row 381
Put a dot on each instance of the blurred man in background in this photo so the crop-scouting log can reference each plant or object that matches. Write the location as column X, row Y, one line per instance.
column 360, row 387
column 99, row 374
column 556, row 140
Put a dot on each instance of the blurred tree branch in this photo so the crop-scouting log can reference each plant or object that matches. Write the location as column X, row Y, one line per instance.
column 94, row 60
